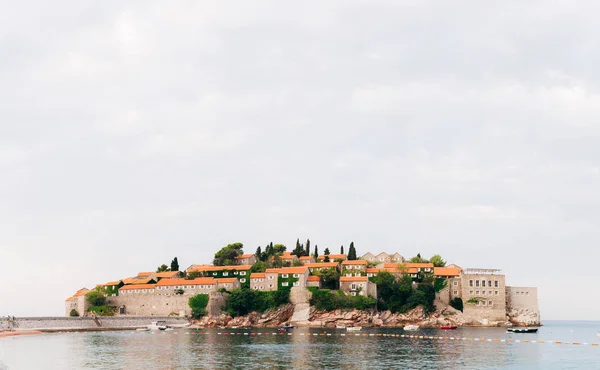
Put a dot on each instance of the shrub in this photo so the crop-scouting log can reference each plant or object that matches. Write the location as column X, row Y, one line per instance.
column 457, row 303
column 439, row 284
column 242, row 301
column 73, row 313
column 102, row 310
column 96, row 298
column 328, row 301
column 198, row 305
column 179, row 291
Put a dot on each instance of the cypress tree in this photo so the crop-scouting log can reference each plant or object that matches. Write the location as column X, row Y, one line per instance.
column 316, row 255
column 342, row 249
column 307, row 251
column 352, row 252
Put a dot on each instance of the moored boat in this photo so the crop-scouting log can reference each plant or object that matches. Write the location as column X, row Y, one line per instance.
column 158, row 325
column 353, row 328
column 448, row 327
column 340, row 326
column 522, row 330
column 411, row 327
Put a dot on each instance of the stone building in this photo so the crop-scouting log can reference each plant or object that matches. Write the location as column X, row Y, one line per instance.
column 315, row 267
column 241, row 272
column 522, row 305
column 332, row 257
column 383, row 257
column 354, row 268
column 314, row 281
column 483, row 292
column 306, row 259
column 259, row 281
column 246, row 259
column 358, row 285
column 289, row 258
column 77, row 302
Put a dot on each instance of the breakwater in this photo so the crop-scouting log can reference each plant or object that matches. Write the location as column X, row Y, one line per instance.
column 84, row 323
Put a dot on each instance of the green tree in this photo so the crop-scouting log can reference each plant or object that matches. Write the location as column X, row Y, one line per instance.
column 226, row 256
column 326, row 253
column 307, row 251
column 259, row 266
column 198, row 305
column 352, row 252
column 299, row 250
column 162, row 268
column 418, row 259
column 96, row 298
column 457, row 303
column 437, row 260
column 174, row 265
column 258, row 253
column 342, row 249
column 316, row 254
column 73, row 313
column 330, row 278
column 279, row 248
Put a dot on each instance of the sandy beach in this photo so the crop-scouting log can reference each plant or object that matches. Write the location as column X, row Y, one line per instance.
column 13, row 333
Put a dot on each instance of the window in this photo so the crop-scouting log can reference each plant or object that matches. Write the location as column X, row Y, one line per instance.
column 349, row 274
column 285, row 276
column 477, row 292
column 270, row 277
column 517, row 293
column 483, row 292
column 285, row 284
column 496, row 283
column 242, row 280
column 495, row 292
column 482, row 282
column 296, row 283
column 242, row 272
column 296, row 275
column 526, row 293
column 455, row 283
column 361, row 293
column 490, row 303
column 262, row 287
column 476, row 283
column 353, row 293
column 470, row 292
column 255, row 287
column 353, row 286
column 270, row 285
column 490, row 283
column 455, row 292
column 235, row 272
column 470, row 282
column 225, row 273
column 214, row 274
column 489, row 292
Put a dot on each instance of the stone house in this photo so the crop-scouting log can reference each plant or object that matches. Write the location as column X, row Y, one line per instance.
column 306, row 259
column 421, row 267
column 483, row 292
column 522, row 298
column 383, row 257
column 246, row 259
column 77, row 302
column 358, row 285
column 314, row 281
column 446, row 272
column 332, row 257
column 167, row 275
column 259, row 281
column 316, row 267
column 293, row 276
column 289, row 258
column 354, row 268
column 241, row 272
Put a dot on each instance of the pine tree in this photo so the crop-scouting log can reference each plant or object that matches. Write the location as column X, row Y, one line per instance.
column 307, row 251
column 351, row 252
column 174, row 265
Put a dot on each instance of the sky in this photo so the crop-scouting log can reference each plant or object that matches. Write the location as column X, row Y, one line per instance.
column 134, row 132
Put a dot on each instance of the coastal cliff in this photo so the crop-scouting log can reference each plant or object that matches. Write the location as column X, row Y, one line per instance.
column 443, row 315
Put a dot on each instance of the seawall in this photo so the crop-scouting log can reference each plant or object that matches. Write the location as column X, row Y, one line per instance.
column 84, row 323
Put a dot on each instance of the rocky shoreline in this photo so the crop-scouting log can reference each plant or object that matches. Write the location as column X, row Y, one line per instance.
column 444, row 315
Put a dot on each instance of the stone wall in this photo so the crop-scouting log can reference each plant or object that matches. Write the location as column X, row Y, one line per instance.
column 522, row 305
column 491, row 300
column 215, row 302
column 152, row 304
column 84, row 323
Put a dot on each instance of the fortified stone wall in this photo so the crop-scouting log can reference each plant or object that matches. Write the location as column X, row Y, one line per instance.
column 151, row 304
column 82, row 323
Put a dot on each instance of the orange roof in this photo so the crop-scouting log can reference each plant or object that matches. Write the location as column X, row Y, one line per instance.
column 196, row 281
column 419, row 265
column 111, row 283
column 205, row 268
column 333, row 257
column 355, row 262
column 292, row 270
column 141, row 281
column 289, row 257
column 226, row 280
column 321, row 265
column 144, row 273
column 306, row 258
column 80, row 292
column 354, row 278
column 167, row 274
column 314, row 278
column 243, row 256
column 257, row 275
column 286, row 254
column 446, row 271
column 372, row 270
column 134, row 287
column 272, row 271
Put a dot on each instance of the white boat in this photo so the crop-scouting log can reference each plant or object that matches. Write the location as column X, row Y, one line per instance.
column 354, row 328
column 158, row 325
column 598, row 333
column 340, row 326
column 411, row 327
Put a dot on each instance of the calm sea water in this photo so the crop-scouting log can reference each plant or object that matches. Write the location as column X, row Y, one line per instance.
column 212, row 349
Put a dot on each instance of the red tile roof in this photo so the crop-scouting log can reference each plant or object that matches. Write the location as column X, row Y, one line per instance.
column 257, row 275
column 226, row 280
column 293, row 270
column 418, row 265
column 333, row 257
column 446, row 271
column 134, row 287
column 207, row 268
column 244, row 256
column 196, row 281
column 355, row 262
column 167, row 274
column 354, row 278
column 314, row 278
column 321, row 265
column 306, row 258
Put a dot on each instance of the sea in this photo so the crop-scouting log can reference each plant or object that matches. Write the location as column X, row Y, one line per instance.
column 557, row 345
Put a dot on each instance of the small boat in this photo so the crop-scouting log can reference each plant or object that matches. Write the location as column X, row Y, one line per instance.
column 411, row 327
column 598, row 333
column 448, row 327
column 157, row 325
column 143, row 329
column 340, row 326
column 522, row 330
column 354, row 328
column 287, row 327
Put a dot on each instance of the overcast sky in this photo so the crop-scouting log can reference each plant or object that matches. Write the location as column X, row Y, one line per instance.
column 133, row 132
